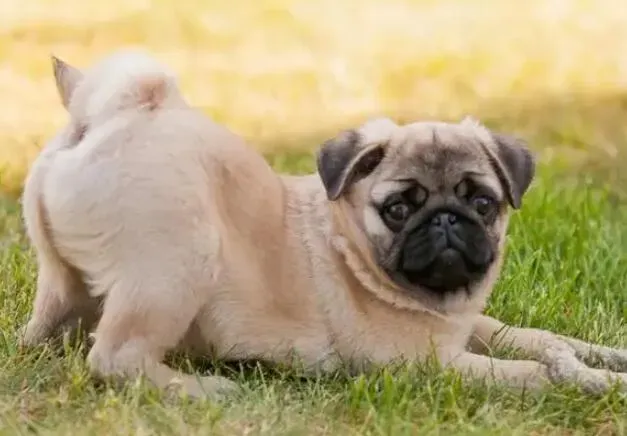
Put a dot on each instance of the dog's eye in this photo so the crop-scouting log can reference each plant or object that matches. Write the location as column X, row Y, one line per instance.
column 483, row 204
column 397, row 213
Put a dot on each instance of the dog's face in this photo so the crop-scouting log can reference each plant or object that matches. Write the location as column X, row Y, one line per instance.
column 431, row 198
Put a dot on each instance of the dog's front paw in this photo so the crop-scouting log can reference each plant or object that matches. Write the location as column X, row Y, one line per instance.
column 606, row 357
column 598, row 356
column 564, row 367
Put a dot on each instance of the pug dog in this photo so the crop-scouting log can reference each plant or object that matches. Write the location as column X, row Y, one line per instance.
column 163, row 231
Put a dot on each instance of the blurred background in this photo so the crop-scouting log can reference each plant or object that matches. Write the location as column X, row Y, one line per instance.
column 288, row 74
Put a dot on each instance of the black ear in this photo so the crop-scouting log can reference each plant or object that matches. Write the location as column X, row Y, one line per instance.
column 516, row 166
column 344, row 160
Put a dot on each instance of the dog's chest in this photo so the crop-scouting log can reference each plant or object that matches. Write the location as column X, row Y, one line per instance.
column 409, row 336
column 370, row 330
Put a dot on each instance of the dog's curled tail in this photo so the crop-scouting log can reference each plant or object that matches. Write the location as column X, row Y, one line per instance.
column 132, row 79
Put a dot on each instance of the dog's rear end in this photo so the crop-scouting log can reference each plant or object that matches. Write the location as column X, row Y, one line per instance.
column 60, row 293
column 93, row 195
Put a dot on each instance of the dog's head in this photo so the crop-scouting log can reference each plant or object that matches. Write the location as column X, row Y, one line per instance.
column 427, row 202
column 126, row 79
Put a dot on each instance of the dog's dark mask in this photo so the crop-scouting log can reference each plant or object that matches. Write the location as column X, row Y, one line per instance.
column 443, row 244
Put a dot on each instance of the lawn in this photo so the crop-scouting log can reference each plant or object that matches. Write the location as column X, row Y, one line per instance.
column 287, row 74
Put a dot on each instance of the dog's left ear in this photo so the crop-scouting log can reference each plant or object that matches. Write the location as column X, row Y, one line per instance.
column 352, row 155
column 515, row 165
column 67, row 78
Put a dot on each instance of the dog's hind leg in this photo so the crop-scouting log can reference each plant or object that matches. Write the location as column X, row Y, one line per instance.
column 144, row 318
column 59, row 299
column 60, row 292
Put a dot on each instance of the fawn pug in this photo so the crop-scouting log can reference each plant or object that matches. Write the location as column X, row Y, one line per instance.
column 162, row 230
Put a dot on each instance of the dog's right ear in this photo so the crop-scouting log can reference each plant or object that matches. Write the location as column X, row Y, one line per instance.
column 352, row 155
column 67, row 78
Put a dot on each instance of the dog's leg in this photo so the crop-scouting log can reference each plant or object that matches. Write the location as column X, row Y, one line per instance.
column 511, row 373
column 140, row 322
column 558, row 354
column 58, row 297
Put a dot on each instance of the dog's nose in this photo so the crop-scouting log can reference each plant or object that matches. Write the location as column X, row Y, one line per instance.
column 443, row 219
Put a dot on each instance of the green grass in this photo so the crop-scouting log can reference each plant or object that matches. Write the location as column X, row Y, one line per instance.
column 287, row 74
column 566, row 270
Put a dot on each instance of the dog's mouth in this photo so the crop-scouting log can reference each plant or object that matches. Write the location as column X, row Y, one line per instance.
column 447, row 272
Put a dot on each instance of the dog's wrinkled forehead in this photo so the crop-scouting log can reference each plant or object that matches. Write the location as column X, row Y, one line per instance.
column 439, row 155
